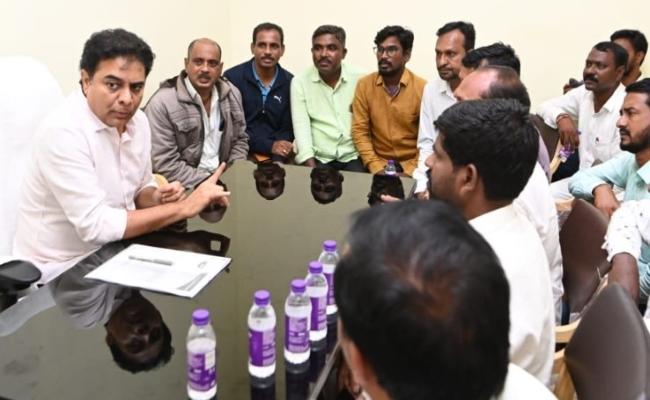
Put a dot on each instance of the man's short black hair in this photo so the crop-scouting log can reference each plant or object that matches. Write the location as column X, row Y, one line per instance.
column 466, row 28
column 163, row 358
column 113, row 43
column 494, row 54
column 642, row 86
column 619, row 53
column 636, row 38
column 337, row 31
column 495, row 135
column 506, row 86
column 404, row 36
column 268, row 26
column 423, row 297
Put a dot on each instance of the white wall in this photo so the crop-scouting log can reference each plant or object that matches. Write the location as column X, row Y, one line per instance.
column 552, row 37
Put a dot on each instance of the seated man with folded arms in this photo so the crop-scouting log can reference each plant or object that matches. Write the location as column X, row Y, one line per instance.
column 386, row 106
column 594, row 106
column 265, row 90
column 629, row 170
column 90, row 181
column 636, row 45
column 628, row 237
column 197, row 120
column 483, row 156
column 321, row 103
column 424, row 309
column 535, row 200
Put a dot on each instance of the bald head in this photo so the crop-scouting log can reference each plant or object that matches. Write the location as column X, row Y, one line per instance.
column 203, row 66
column 492, row 82
column 203, row 41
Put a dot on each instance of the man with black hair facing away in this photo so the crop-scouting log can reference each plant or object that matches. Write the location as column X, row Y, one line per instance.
column 423, row 309
column 483, row 156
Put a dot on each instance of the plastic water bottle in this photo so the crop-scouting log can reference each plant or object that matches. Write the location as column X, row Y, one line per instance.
column 261, row 336
column 297, row 313
column 317, row 292
column 564, row 153
column 201, row 357
column 329, row 258
column 390, row 168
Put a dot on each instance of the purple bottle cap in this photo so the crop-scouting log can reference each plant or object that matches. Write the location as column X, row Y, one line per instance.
column 329, row 245
column 201, row 317
column 262, row 298
column 315, row 267
column 392, row 162
column 298, row 286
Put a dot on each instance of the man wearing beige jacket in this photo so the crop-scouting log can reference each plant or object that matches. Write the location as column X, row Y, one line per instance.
column 197, row 120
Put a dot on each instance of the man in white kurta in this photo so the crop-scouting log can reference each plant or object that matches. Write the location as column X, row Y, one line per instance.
column 484, row 155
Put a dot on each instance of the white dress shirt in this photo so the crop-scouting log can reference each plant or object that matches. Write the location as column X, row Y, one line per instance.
column 599, row 137
column 536, row 202
column 520, row 384
column 532, row 316
column 212, row 139
column 83, row 179
column 437, row 97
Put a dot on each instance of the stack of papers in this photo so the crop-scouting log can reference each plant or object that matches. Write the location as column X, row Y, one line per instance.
column 176, row 272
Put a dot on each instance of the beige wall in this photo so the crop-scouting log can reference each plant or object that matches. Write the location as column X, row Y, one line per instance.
column 552, row 37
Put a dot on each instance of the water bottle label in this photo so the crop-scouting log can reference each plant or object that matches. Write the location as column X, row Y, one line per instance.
column 262, row 347
column 296, row 338
column 201, row 370
column 330, row 287
column 318, row 313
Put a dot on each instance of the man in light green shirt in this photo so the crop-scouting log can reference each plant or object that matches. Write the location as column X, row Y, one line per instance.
column 321, row 99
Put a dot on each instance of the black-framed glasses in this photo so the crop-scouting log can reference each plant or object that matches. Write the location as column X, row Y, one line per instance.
column 390, row 50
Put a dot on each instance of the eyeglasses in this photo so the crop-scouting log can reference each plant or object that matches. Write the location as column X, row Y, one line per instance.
column 390, row 50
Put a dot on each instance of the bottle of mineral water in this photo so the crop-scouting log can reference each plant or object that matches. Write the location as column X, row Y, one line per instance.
column 261, row 336
column 390, row 168
column 297, row 313
column 329, row 258
column 201, row 357
column 317, row 292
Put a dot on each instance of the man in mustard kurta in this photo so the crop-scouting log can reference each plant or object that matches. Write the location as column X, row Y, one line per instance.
column 386, row 106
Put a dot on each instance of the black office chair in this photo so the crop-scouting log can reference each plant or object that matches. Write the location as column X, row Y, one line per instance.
column 15, row 276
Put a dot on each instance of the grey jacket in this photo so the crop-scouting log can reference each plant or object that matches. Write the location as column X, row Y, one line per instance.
column 177, row 131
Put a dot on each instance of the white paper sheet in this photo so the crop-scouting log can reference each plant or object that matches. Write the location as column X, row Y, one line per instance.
column 176, row 272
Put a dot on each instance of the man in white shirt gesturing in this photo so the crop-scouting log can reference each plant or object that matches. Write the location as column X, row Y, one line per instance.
column 90, row 181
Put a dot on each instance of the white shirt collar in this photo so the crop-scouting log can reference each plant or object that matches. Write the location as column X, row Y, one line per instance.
column 493, row 220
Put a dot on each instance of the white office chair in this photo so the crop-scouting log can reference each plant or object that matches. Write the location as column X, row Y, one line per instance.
column 29, row 93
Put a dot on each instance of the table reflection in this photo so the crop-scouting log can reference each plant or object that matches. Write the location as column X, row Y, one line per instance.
column 270, row 243
column 269, row 180
column 326, row 184
column 136, row 334
column 385, row 184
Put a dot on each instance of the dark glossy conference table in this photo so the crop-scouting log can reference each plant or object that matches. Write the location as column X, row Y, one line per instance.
column 270, row 243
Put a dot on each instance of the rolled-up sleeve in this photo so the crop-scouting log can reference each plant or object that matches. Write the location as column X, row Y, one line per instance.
column 613, row 172
column 69, row 171
column 569, row 104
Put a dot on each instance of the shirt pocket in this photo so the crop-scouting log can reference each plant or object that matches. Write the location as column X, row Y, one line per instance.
column 188, row 132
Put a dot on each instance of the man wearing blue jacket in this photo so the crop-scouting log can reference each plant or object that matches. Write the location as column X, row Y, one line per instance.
column 265, row 87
